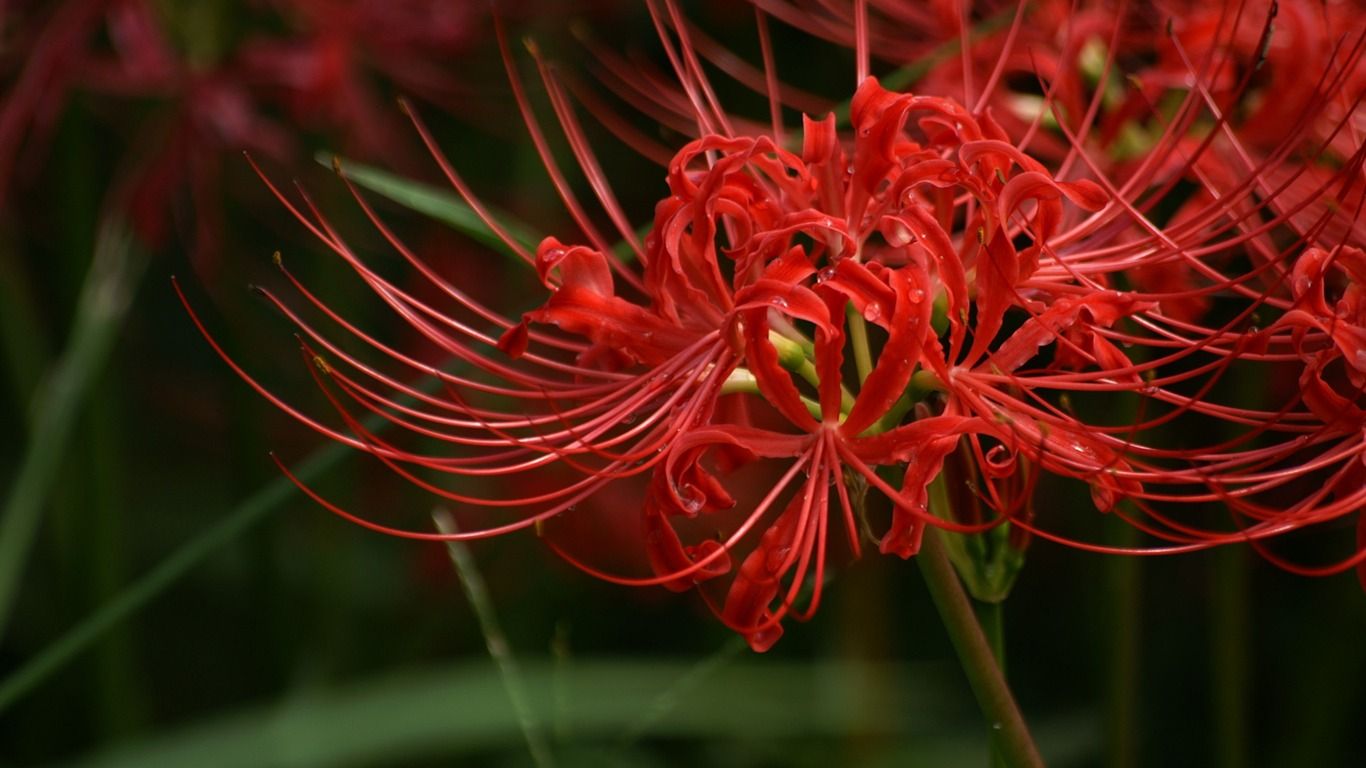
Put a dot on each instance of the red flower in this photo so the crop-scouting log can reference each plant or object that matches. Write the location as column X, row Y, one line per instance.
column 918, row 291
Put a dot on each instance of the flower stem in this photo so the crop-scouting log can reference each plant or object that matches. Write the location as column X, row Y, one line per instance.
column 1230, row 657
column 1124, row 607
column 992, row 618
column 858, row 337
column 975, row 654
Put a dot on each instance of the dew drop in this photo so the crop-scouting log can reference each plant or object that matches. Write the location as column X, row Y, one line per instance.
column 872, row 312
column 1083, row 450
column 915, row 295
column 779, row 302
column 692, row 497
column 825, row 274
column 776, row 558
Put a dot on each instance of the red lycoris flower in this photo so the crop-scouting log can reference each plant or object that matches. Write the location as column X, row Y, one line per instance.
column 929, row 287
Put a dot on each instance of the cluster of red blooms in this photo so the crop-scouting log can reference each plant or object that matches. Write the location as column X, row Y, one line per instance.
column 212, row 96
column 1087, row 209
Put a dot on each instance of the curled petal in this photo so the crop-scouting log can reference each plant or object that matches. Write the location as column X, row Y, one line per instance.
column 759, row 580
column 1100, row 309
column 668, row 554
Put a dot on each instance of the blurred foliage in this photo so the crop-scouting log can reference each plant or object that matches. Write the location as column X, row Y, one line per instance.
column 181, row 605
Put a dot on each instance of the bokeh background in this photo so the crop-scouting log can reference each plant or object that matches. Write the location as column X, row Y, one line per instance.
column 173, row 600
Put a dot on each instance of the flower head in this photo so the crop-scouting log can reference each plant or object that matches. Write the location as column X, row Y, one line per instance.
column 926, row 286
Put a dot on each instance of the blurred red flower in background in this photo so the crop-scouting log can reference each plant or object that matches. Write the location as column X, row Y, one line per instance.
column 190, row 103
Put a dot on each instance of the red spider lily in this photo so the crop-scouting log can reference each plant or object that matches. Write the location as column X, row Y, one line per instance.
column 920, row 289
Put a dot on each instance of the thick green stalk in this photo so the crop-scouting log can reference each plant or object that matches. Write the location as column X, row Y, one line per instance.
column 975, row 654
column 858, row 337
column 992, row 618
column 1125, row 608
column 1229, row 654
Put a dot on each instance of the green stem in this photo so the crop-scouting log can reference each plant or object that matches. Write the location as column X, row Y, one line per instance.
column 858, row 337
column 975, row 654
column 1125, row 608
column 1229, row 657
column 992, row 618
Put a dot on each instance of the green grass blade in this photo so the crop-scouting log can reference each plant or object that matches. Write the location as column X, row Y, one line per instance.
column 441, row 204
column 499, row 649
column 135, row 596
column 446, row 206
column 57, row 654
column 25, row 348
column 108, row 290
column 670, row 698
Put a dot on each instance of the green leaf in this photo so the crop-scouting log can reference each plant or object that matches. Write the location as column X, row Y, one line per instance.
column 441, row 204
column 462, row 709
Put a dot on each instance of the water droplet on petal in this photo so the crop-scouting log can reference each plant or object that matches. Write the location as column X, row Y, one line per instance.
column 776, row 558
column 692, row 497
column 915, row 295
column 872, row 312
column 779, row 302
column 825, row 274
